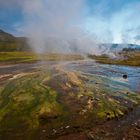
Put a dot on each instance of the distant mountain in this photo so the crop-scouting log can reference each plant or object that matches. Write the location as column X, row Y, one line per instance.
column 9, row 42
column 6, row 37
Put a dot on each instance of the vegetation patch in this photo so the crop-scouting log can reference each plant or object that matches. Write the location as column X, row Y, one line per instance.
column 129, row 58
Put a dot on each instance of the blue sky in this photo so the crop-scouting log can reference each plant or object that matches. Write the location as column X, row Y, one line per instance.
column 9, row 18
column 108, row 20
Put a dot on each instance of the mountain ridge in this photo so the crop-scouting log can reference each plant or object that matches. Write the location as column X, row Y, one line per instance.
column 9, row 42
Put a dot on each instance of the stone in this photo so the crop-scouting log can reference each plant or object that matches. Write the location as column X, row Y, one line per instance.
column 67, row 127
column 54, row 131
column 125, row 76
column 44, row 131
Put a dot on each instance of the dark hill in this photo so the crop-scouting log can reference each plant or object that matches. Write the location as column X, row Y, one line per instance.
column 9, row 42
column 6, row 37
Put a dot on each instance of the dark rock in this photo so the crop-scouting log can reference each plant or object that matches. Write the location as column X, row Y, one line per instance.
column 125, row 76
column 138, row 127
column 107, row 113
column 91, row 99
column 103, row 132
column 47, row 117
column 76, row 127
column 130, row 108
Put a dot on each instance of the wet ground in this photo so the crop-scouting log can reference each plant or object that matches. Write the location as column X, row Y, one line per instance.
column 94, row 101
column 113, row 72
column 87, row 67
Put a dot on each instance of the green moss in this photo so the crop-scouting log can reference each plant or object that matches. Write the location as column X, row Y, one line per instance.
column 29, row 57
column 46, row 100
column 26, row 98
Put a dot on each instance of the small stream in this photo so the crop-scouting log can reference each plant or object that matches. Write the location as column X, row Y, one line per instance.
column 114, row 72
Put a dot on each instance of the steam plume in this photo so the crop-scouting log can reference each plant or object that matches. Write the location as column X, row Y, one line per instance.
column 54, row 26
column 70, row 26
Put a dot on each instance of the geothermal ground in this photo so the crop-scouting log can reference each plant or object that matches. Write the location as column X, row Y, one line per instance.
column 70, row 99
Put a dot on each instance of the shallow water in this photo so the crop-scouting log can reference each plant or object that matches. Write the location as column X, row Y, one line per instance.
column 88, row 67
column 113, row 72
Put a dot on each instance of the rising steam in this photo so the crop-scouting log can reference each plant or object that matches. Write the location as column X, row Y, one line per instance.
column 69, row 26
column 55, row 26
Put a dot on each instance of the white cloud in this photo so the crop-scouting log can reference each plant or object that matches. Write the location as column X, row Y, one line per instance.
column 115, row 28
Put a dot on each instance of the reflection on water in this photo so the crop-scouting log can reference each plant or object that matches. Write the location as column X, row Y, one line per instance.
column 110, row 71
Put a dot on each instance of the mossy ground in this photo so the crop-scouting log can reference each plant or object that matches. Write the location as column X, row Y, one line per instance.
column 54, row 101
